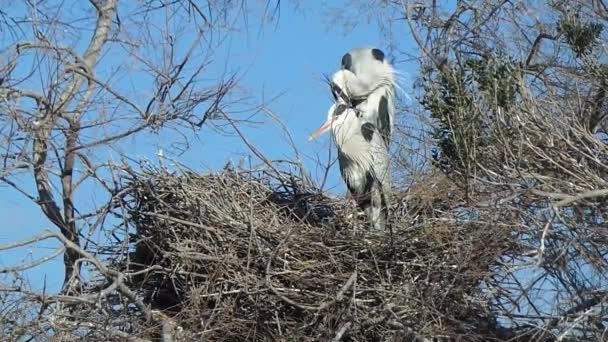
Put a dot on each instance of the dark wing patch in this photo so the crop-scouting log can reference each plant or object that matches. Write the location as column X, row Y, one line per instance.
column 378, row 54
column 384, row 119
column 345, row 163
column 367, row 130
column 347, row 61
column 369, row 182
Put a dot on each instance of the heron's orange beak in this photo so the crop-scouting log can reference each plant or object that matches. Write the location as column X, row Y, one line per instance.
column 321, row 130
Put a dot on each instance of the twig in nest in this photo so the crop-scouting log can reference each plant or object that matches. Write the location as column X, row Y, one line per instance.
column 341, row 332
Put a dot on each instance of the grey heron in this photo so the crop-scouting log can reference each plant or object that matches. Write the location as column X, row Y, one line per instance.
column 361, row 122
column 367, row 80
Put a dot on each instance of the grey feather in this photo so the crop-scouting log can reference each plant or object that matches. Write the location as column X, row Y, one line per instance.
column 384, row 120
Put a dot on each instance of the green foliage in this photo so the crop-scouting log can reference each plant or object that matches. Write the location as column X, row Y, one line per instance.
column 452, row 100
column 447, row 100
column 495, row 78
column 581, row 37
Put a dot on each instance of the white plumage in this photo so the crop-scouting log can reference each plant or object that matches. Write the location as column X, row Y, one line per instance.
column 361, row 121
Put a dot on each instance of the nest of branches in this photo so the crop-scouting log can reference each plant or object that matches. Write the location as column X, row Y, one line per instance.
column 242, row 255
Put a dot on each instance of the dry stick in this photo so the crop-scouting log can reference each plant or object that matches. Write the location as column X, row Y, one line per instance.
column 107, row 88
column 541, row 249
column 50, row 298
column 441, row 65
column 285, row 130
column 42, row 236
column 341, row 332
column 34, row 263
column 585, row 195
column 347, row 285
column 566, row 199
column 276, row 316
column 251, row 224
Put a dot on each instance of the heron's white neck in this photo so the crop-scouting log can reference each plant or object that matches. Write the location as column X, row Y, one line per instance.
column 348, row 137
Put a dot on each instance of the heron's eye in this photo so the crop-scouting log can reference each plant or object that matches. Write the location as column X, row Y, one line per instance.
column 341, row 108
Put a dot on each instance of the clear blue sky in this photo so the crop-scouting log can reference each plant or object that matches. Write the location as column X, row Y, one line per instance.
column 288, row 60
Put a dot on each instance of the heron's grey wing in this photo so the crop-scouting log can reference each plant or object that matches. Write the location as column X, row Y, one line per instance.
column 381, row 171
column 384, row 119
column 345, row 164
column 380, row 162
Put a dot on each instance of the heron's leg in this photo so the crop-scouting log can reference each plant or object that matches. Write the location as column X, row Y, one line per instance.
column 369, row 211
column 353, row 210
column 375, row 210
column 366, row 203
column 355, row 219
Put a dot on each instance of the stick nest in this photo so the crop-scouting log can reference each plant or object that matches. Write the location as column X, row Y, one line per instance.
column 245, row 255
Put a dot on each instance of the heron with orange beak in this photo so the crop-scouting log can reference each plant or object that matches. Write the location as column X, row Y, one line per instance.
column 360, row 122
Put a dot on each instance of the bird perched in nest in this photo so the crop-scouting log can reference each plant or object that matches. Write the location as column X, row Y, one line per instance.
column 361, row 121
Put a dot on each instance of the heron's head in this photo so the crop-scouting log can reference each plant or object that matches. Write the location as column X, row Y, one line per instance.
column 337, row 115
column 362, row 71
